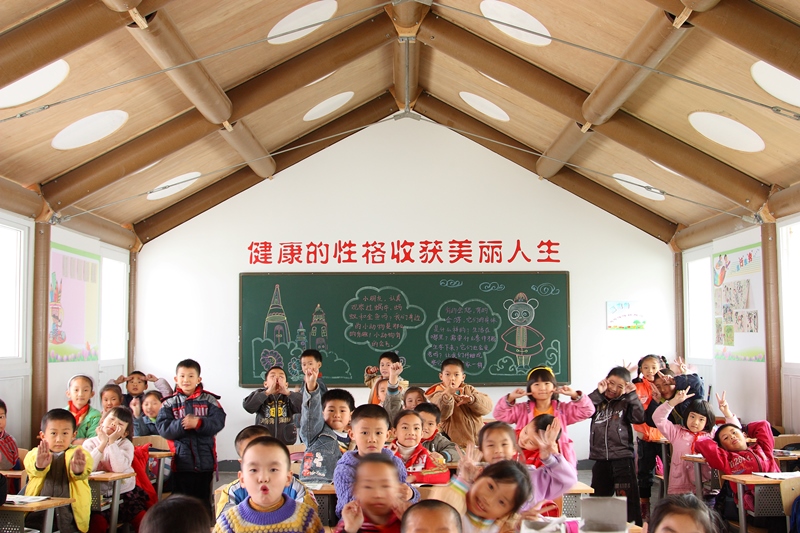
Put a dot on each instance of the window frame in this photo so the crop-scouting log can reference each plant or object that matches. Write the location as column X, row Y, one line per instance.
column 704, row 251
column 21, row 362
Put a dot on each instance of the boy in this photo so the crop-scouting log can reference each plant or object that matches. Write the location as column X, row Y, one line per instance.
column 324, row 420
column 431, row 516
column 136, row 385
column 617, row 406
column 376, row 506
column 374, row 374
column 432, row 440
column 312, row 359
column 265, row 473
column 461, row 405
column 57, row 468
column 9, row 453
column 275, row 407
column 369, row 427
column 234, row 492
column 191, row 418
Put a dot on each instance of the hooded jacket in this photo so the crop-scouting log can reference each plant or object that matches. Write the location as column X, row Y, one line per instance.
column 611, row 434
column 275, row 412
column 461, row 422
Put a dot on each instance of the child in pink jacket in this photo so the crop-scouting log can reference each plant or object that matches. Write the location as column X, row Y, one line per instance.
column 698, row 425
column 543, row 391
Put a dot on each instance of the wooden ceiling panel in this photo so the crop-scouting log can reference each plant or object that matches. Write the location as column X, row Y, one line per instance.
column 211, row 26
column 604, row 25
column 282, row 122
column 667, row 104
column 206, row 156
column 29, row 158
column 789, row 9
column 531, row 122
column 15, row 12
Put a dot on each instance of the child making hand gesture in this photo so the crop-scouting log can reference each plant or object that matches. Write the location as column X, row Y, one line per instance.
column 275, row 407
column 542, row 393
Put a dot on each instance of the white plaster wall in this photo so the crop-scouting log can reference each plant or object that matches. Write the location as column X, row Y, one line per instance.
column 444, row 187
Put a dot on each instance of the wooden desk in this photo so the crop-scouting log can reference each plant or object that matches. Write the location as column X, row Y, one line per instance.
column 161, row 456
column 784, row 460
column 13, row 516
column 16, row 474
column 748, row 479
column 698, row 473
column 571, row 502
column 115, row 479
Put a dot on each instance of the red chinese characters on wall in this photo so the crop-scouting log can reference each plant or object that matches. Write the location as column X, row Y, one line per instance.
column 401, row 251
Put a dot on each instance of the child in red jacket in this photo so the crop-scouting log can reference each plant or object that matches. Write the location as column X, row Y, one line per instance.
column 421, row 467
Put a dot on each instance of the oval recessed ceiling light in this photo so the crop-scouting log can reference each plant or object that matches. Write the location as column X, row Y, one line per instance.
column 776, row 82
column 491, row 78
column 662, row 167
column 313, row 13
column 503, row 12
column 328, row 106
column 726, row 131
column 320, row 79
column 481, row 104
column 174, row 186
column 34, row 85
column 89, row 129
column 641, row 191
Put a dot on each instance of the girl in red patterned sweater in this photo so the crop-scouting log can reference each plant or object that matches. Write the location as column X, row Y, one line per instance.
column 421, row 467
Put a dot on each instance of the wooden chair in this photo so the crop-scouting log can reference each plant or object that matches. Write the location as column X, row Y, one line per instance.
column 790, row 490
column 156, row 441
column 22, row 453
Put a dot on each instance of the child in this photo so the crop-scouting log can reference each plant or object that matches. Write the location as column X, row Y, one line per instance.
column 420, row 465
column 312, row 360
column 698, row 424
column 234, row 493
column 431, row 516
column 497, row 442
column 323, row 427
column 191, row 418
column 489, row 504
column 275, row 407
column 265, row 473
column 80, row 390
column 112, row 451
column 374, row 374
column 543, row 392
column 667, row 384
column 528, row 442
column 413, row 397
column 60, row 469
column 728, row 452
column 683, row 513
column 617, row 406
column 9, row 453
column 462, row 406
column 368, row 428
column 110, row 397
column 144, row 416
column 176, row 514
column 376, row 506
column 136, row 385
column 648, row 446
column 432, row 439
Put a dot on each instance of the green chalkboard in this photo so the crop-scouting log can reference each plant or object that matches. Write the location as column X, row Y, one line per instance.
column 499, row 324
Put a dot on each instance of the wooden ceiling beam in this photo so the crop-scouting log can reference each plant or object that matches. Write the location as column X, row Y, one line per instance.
column 567, row 99
column 406, row 18
column 569, row 140
column 567, row 179
column 713, row 228
column 749, row 27
column 243, row 140
column 228, row 187
column 20, row 200
column 189, row 127
column 59, row 32
column 105, row 230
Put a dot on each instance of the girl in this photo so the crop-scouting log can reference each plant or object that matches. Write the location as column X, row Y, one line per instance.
column 497, row 442
column 487, row 502
column 698, row 424
column 378, row 394
column 80, row 390
column 110, row 397
column 543, row 391
column 413, row 397
column 684, row 513
column 419, row 464
column 144, row 415
column 112, row 451
column 529, row 444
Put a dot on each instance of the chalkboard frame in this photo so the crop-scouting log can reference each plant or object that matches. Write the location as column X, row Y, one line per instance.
column 566, row 357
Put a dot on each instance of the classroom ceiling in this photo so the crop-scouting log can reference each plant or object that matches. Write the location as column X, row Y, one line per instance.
column 252, row 81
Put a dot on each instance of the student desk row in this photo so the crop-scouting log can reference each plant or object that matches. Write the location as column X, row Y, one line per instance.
column 98, row 504
column 12, row 517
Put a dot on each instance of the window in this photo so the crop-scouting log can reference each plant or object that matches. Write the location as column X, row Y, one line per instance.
column 13, row 278
column 698, row 304
column 789, row 246
column 113, row 309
